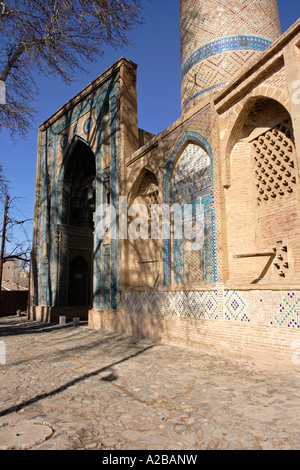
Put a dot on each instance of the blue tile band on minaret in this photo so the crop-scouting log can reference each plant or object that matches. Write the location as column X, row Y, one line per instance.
column 218, row 39
column 233, row 43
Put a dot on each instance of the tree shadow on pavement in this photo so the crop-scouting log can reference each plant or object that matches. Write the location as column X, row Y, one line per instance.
column 73, row 382
column 15, row 326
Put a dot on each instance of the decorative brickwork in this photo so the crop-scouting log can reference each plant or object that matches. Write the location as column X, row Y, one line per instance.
column 233, row 157
column 275, row 163
column 219, row 38
column 79, row 168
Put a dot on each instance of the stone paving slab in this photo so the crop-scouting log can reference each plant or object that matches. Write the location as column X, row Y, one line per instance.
column 105, row 391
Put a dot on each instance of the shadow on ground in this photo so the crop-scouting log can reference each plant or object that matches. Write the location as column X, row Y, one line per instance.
column 114, row 344
column 22, row 326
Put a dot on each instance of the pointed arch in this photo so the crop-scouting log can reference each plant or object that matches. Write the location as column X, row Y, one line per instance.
column 192, row 184
column 186, row 139
column 78, row 146
column 144, row 173
column 249, row 112
column 144, row 254
column 75, row 207
column 75, row 140
column 261, row 173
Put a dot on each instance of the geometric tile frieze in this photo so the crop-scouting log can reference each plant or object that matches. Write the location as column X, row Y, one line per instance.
column 233, row 43
column 273, row 309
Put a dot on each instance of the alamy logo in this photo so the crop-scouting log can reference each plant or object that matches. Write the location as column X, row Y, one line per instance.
column 2, row 92
column 180, row 222
column 2, row 353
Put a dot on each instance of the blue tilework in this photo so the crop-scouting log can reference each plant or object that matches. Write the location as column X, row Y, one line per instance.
column 226, row 44
column 98, row 267
column 214, row 245
column 219, row 304
column 235, row 307
column 186, row 138
column 46, row 282
column 219, row 85
column 43, row 297
column 39, row 250
column 88, row 125
column 64, row 141
column 114, row 195
column 288, row 313
column 106, row 269
column 202, row 305
column 194, row 187
column 53, row 240
column 178, row 260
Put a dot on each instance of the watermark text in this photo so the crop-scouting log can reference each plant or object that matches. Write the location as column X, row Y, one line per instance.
column 140, row 222
column 2, row 353
column 2, row 92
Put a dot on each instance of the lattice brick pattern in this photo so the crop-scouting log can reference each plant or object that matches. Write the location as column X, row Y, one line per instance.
column 275, row 161
column 281, row 262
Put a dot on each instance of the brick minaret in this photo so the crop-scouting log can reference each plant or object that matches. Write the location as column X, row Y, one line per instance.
column 220, row 37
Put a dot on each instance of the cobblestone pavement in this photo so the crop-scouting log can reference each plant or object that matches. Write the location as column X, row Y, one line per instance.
column 105, row 391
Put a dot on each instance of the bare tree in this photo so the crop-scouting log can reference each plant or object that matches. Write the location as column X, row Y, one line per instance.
column 17, row 235
column 19, row 249
column 54, row 37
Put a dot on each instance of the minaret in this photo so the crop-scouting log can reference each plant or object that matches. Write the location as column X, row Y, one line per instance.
column 219, row 38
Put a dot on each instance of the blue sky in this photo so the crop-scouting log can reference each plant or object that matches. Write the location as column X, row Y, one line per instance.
column 156, row 51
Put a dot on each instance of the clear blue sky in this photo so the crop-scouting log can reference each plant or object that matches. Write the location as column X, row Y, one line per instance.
column 156, row 50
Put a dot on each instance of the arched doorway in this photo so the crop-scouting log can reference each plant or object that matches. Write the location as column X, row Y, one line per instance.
column 79, row 187
column 79, row 282
column 78, row 196
column 191, row 175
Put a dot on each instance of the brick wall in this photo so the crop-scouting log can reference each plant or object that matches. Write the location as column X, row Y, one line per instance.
column 254, row 325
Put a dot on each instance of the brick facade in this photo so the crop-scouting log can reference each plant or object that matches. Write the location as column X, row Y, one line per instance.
column 235, row 154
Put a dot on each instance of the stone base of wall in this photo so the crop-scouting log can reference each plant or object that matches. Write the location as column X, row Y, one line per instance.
column 52, row 314
column 265, row 340
column 109, row 320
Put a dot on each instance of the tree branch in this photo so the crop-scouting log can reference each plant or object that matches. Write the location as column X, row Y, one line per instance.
column 54, row 37
column 25, row 257
column 13, row 59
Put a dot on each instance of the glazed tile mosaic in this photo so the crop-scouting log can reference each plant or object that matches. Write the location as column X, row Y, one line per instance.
column 226, row 274
column 77, row 135
column 219, row 38
column 189, row 179
column 220, row 305
column 227, row 44
column 289, row 312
